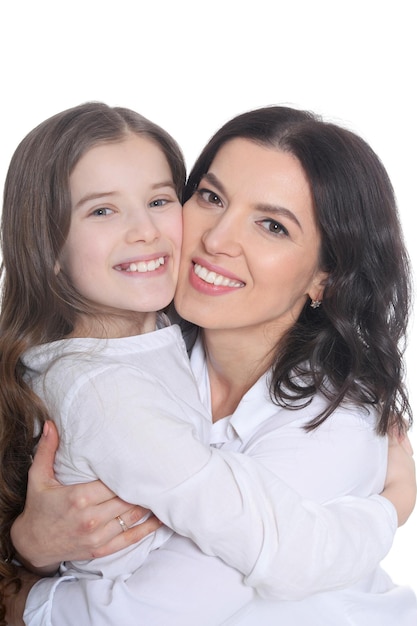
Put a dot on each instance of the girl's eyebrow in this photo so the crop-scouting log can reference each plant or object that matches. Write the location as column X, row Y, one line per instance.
column 165, row 183
column 96, row 195
column 93, row 196
column 274, row 209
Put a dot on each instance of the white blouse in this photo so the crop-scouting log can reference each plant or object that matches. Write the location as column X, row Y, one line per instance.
column 286, row 508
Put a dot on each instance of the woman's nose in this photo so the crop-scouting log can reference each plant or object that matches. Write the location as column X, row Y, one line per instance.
column 225, row 236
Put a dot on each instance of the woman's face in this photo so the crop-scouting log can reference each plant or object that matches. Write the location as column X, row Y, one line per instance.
column 250, row 256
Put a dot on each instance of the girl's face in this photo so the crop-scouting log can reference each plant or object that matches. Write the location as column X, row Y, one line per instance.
column 250, row 256
column 123, row 247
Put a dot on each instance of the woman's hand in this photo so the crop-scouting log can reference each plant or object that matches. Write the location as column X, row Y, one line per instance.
column 71, row 522
column 400, row 483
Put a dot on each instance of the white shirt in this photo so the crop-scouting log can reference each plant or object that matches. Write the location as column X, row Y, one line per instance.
column 103, row 394
column 266, row 499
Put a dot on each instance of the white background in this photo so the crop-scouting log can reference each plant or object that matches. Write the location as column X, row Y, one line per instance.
column 191, row 65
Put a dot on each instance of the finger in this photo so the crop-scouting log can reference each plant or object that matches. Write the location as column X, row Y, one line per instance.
column 104, row 525
column 43, row 463
column 96, row 493
column 128, row 538
column 134, row 514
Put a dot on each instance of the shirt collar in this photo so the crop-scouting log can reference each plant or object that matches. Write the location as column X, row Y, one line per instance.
column 254, row 408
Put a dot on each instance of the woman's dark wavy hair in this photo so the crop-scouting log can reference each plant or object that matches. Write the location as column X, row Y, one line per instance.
column 38, row 305
column 351, row 348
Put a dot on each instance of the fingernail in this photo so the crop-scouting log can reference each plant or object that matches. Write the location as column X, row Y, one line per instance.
column 45, row 429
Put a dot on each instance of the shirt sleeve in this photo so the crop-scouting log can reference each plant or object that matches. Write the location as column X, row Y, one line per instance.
column 178, row 585
column 268, row 535
column 243, row 508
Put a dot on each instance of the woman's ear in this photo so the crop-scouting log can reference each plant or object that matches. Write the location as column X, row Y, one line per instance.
column 317, row 288
column 57, row 268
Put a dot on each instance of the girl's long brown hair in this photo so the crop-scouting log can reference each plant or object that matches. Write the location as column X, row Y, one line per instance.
column 38, row 305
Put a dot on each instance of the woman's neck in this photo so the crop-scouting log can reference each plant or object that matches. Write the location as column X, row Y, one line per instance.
column 235, row 361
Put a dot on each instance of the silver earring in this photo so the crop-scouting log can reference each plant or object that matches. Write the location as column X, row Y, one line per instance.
column 315, row 304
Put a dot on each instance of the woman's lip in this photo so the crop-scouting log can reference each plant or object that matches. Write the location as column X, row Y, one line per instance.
column 212, row 287
column 216, row 269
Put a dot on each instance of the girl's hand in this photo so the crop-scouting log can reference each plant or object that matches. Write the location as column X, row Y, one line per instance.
column 71, row 522
column 400, row 483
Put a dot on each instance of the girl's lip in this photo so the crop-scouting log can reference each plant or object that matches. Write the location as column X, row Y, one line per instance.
column 142, row 264
column 217, row 270
column 143, row 259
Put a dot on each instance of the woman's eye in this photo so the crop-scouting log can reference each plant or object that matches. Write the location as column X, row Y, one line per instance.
column 102, row 211
column 209, row 196
column 273, row 227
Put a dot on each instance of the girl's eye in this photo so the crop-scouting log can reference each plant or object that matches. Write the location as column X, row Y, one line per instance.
column 102, row 211
column 209, row 196
column 158, row 203
column 273, row 227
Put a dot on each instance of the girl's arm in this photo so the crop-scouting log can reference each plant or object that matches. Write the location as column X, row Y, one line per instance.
column 79, row 521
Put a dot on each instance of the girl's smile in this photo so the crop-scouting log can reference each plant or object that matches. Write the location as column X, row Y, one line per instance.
column 126, row 225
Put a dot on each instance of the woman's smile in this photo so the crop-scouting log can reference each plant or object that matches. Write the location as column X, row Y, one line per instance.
column 217, row 278
column 250, row 237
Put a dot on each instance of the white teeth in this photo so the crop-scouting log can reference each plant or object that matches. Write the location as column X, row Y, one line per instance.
column 215, row 279
column 146, row 266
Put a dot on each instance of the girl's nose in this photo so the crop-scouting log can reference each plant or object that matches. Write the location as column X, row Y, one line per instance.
column 141, row 227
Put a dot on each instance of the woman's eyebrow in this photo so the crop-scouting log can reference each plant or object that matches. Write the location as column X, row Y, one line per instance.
column 263, row 207
column 213, row 180
column 279, row 211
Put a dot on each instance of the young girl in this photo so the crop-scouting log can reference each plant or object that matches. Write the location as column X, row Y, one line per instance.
column 91, row 235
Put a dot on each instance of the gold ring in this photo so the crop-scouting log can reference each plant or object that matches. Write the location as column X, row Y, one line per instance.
column 122, row 523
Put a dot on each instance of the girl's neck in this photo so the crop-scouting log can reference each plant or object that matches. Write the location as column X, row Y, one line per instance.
column 235, row 361
column 114, row 325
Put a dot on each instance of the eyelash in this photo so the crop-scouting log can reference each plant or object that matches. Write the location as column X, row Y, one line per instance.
column 163, row 202
column 104, row 211
column 96, row 213
column 202, row 192
column 280, row 231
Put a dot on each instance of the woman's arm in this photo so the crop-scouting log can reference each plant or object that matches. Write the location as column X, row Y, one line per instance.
column 71, row 522
column 56, row 597
column 78, row 522
column 53, row 501
column 400, row 483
